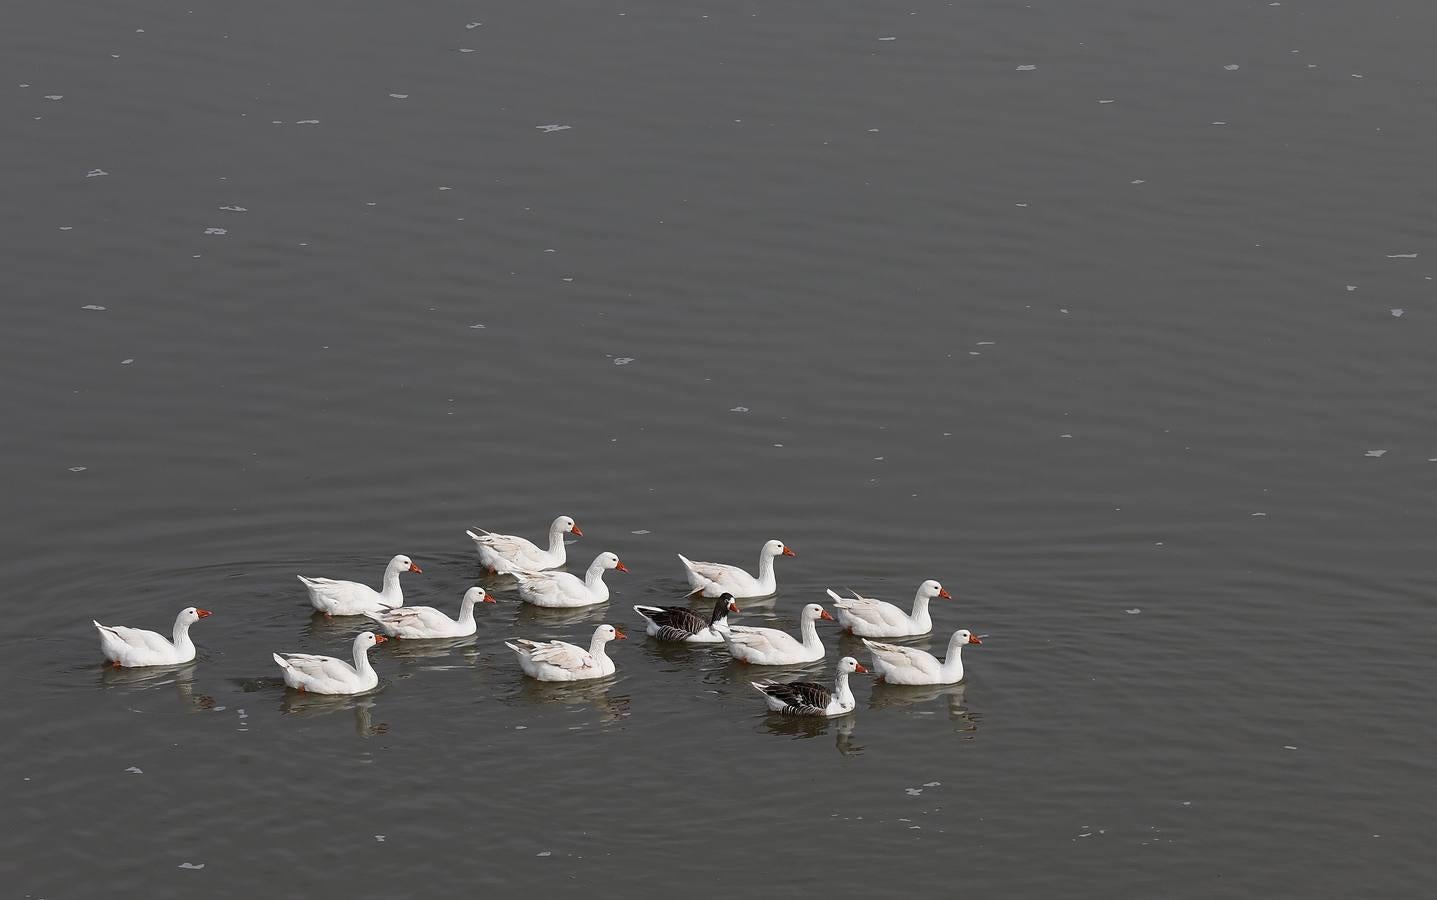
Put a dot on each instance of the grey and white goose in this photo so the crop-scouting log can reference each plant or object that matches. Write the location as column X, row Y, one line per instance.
column 808, row 698
column 683, row 625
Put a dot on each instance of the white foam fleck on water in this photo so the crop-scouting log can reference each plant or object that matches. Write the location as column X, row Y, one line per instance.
column 1065, row 435
column 623, row 360
column 1232, row 67
column 1352, row 287
column 379, row 838
column 1026, row 68
column 546, row 852
column 1402, row 256
column 400, row 96
column 641, row 531
column 307, row 122
column 477, row 325
column 78, row 468
column 1024, row 205
column 92, row 306
column 739, row 409
column 213, row 230
column 1376, row 453
column 445, row 188
column 888, row 39
column 1259, row 514
column 1289, row 747
column 126, row 362
column 1219, row 123
column 548, row 128
column 67, row 227
column 1132, row 612
column 135, row 770
column 96, row 173
column 466, row 49
column 1355, row 75
column 778, row 445
column 1397, row 313
column 190, row 865
column 473, row 25
column 234, row 209
column 54, row 96
column 1138, row 181
column 1105, row 101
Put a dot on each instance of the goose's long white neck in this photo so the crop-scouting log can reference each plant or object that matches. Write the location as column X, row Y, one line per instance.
column 808, row 630
column 556, row 540
column 766, row 579
column 841, row 691
column 361, row 660
column 466, row 609
column 598, row 647
column 392, row 593
column 594, row 580
column 953, row 664
column 920, row 615
column 182, row 634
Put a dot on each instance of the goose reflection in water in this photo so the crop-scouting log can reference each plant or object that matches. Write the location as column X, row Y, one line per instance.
column 182, row 677
column 531, row 616
column 805, row 727
column 893, row 696
column 307, row 704
column 578, row 693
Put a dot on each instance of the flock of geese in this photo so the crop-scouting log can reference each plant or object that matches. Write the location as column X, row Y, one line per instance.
column 533, row 567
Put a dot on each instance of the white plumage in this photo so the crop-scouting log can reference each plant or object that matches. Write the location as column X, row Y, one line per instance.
column 426, row 622
column 562, row 661
column 560, row 589
column 327, row 675
column 137, row 647
column 771, row 647
column 350, row 598
column 716, row 579
column 866, row 617
column 909, row 665
column 505, row 554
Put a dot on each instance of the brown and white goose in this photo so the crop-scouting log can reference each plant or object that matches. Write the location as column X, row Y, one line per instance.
column 808, row 698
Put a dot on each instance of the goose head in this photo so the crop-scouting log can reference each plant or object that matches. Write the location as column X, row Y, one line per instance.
column 402, row 563
column 478, row 595
column 931, row 589
column 191, row 614
column 605, row 633
column 566, row 524
column 777, row 548
column 815, row 611
column 726, row 604
column 608, row 560
column 848, row 666
column 963, row 636
column 366, row 639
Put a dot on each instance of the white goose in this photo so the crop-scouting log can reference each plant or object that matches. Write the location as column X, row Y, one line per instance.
column 771, row 647
column 562, row 661
column 505, row 554
column 560, row 589
column 683, row 625
column 327, row 675
column 866, row 617
column 807, row 698
column 350, row 598
column 909, row 665
column 715, row 579
column 130, row 647
column 426, row 622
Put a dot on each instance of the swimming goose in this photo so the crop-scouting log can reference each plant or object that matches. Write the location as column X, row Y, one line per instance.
column 715, row 579
column 560, row 589
column 131, row 647
column 350, row 598
column 426, row 622
column 808, row 698
column 562, row 661
column 771, row 647
column 504, row 554
column 327, row 675
column 909, row 665
column 681, row 624
column 866, row 617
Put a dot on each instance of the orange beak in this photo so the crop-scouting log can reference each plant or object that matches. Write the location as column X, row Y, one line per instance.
column 577, row 530
column 488, row 599
column 203, row 613
column 619, row 635
column 973, row 639
column 825, row 615
column 621, row 567
column 943, row 592
column 414, row 568
column 788, row 551
column 733, row 607
column 861, row 669
column 379, row 638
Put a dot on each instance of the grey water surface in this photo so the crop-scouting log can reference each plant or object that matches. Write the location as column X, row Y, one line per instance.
column 1117, row 317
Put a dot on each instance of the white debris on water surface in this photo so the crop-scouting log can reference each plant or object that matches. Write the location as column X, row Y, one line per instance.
column 1025, row 68
column 400, row 96
column 545, row 853
column 623, row 360
column 888, row 39
column 126, row 362
column 1132, row 612
column 641, row 531
column 1259, row 514
column 1232, row 67
column 1105, row 101
column 1397, row 313
column 135, row 770
column 1138, row 181
column 214, row 230
column 307, row 122
column 93, row 306
column 379, row 838
column 1376, row 453
column 477, row 325
column 473, row 25
column 77, row 468
column 54, row 96
column 190, row 865
column 1288, row 747
column 1352, row 287
column 548, row 128
column 234, row 209
column 96, row 173
column 1402, row 256
column 739, row 409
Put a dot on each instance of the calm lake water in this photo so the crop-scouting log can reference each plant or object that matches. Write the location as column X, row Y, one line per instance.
column 1116, row 317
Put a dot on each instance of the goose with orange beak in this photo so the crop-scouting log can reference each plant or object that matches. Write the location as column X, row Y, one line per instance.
column 350, row 598
column 134, row 647
column 327, row 675
column 716, row 579
column 808, row 698
column 421, row 623
column 867, row 617
column 560, row 590
column 909, row 665
column 562, row 661
column 771, row 647
column 505, row 554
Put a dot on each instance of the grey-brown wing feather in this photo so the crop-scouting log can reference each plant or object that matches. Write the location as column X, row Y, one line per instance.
column 801, row 698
